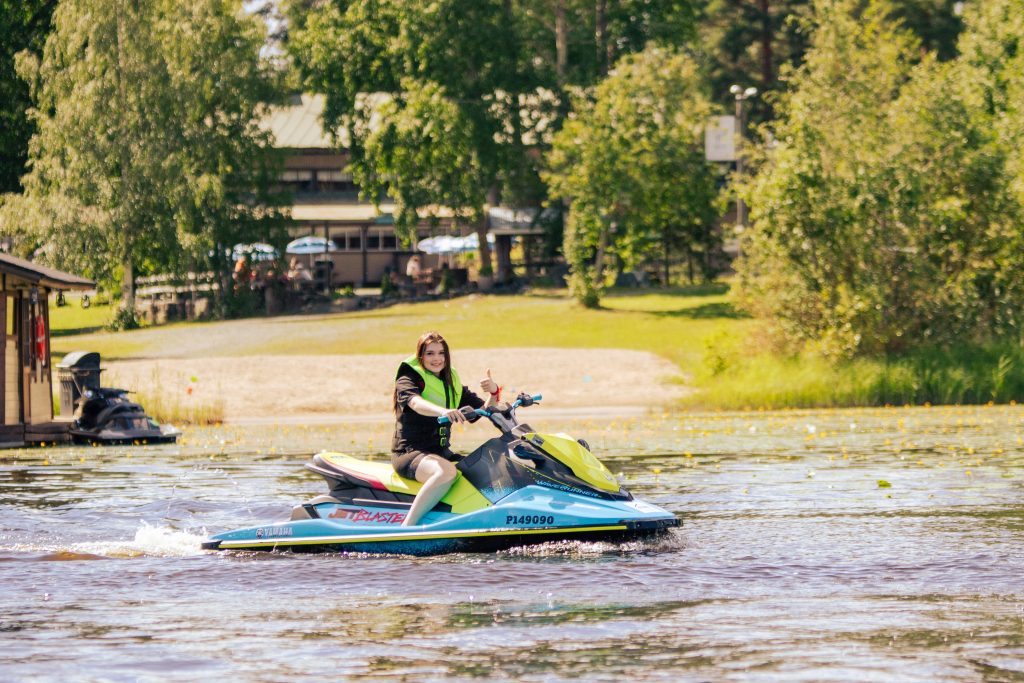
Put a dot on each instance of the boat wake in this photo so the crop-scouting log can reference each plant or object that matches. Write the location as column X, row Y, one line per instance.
column 149, row 541
column 667, row 542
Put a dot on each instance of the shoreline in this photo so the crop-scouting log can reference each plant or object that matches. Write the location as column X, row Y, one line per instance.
column 279, row 389
column 321, row 419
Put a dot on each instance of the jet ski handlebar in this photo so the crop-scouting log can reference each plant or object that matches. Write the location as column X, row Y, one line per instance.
column 523, row 399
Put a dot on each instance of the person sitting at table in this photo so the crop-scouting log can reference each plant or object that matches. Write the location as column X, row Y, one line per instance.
column 298, row 274
column 413, row 268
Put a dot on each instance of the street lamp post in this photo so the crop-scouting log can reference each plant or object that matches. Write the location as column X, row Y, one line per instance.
column 741, row 95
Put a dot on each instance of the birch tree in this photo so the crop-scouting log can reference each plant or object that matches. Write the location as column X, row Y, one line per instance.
column 147, row 155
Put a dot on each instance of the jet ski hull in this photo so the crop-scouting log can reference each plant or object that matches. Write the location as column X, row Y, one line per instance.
column 123, row 436
column 527, row 517
column 483, row 541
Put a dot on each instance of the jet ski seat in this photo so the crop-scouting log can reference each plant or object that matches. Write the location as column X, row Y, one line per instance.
column 380, row 478
column 307, row 509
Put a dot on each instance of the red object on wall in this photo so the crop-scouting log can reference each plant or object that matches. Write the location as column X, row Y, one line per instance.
column 41, row 340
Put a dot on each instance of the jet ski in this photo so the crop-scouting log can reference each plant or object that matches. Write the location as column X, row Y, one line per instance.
column 518, row 488
column 101, row 414
column 105, row 415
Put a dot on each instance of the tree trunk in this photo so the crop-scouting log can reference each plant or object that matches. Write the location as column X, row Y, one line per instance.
column 665, row 256
column 767, row 70
column 485, row 249
column 128, row 284
column 561, row 43
column 601, row 36
column 602, row 245
column 706, row 275
column 223, row 269
column 128, row 278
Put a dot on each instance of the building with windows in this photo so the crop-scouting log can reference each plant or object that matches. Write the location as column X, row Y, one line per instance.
column 327, row 203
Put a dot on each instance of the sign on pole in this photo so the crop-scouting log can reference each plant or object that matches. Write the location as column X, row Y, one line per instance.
column 720, row 138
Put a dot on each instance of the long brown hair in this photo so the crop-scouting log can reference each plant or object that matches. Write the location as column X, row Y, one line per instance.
column 425, row 340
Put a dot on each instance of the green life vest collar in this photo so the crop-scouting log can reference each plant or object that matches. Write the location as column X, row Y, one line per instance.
column 434, row 389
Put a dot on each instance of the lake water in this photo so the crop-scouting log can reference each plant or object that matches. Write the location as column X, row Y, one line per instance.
column 862, row 545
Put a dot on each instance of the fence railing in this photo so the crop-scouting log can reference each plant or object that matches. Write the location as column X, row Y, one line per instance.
column 163, row 298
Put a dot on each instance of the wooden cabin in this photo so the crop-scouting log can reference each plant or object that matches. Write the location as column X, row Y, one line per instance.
column 26, row 369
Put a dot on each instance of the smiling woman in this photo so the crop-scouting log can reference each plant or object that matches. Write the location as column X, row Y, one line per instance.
column 426, row 388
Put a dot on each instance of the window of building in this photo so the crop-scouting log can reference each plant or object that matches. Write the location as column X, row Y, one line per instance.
column 298, row 180
column 377, row 239
column 335, row 181
column 381, row 239
column 347, row 239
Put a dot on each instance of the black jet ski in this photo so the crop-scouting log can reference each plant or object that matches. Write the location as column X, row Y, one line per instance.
column 105, row 415
column 101, row 414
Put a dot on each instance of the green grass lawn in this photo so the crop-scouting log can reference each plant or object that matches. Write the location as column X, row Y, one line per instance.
column 675, row 324
column 697, row 328
column 73, row 319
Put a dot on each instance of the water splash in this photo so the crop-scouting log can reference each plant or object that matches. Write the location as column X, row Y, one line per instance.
column 164, row 541
column 149, row 541
column 662, row 543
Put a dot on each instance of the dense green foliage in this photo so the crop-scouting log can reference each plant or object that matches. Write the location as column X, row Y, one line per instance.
column 752, row 42
column 747, row 43
column 632, row 164
column 959, row 374
column 936, row 23
column 147, row 155
column 886, row 204
column 423, row 93
column 884, row 215
column 23, row 26
column 445, row 104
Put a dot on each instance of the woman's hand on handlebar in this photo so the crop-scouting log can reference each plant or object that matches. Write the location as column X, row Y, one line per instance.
column 454, row 415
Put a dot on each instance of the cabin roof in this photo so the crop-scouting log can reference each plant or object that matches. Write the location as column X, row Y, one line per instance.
column 299, row 124
column 41, row 275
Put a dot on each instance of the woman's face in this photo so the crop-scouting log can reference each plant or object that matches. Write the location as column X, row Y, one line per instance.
column 433, row 357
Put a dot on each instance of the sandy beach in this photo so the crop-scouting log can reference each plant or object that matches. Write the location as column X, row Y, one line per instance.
column 296, row 388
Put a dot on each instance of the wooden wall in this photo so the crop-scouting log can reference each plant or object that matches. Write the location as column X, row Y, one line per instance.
column 10, row 362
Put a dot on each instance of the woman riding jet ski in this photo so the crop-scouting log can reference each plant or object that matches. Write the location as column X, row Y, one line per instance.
column 518, row 488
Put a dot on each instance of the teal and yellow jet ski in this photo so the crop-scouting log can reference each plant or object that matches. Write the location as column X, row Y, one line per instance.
column 518, row 488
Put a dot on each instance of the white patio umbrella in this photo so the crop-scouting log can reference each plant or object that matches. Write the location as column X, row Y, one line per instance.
column 311, row 244
column 445, row 245
column 257, row 251
column 471, row 242
column 440, row 245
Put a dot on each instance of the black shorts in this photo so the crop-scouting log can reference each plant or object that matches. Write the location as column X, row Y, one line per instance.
column 406, row 463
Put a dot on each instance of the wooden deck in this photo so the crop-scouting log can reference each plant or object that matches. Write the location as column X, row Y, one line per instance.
column 16, row 436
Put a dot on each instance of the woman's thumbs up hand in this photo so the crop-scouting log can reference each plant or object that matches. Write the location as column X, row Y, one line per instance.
column 488, row 384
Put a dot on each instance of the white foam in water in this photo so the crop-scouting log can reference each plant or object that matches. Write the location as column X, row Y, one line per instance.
column 665, row 542
column 154, row 540
column 159, row 541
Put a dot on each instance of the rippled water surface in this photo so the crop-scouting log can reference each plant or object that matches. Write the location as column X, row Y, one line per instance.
column 874, row 545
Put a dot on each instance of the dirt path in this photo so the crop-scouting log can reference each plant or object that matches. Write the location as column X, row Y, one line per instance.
column 325, row 388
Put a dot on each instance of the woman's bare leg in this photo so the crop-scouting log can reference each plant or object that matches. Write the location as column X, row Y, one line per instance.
column 437, row 475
